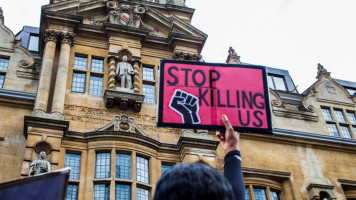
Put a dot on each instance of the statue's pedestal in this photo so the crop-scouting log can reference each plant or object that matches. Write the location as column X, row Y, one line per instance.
column 125, row 98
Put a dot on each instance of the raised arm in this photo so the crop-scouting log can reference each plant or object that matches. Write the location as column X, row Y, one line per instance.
column 232, row 170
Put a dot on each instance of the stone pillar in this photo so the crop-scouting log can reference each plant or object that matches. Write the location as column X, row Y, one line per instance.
column 137, row 78
column 61, row 80
column 112, row 67
column 46, row 73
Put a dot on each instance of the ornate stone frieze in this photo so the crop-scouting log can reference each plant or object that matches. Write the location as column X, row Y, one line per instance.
column 67, row 38
column 179, row 55
column 122, row 123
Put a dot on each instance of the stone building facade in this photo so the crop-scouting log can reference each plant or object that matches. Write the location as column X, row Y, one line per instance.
column 65, row 98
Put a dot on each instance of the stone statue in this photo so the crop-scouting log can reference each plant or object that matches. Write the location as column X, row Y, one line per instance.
column 124, row 71
column 232, row 52
column 39, row 166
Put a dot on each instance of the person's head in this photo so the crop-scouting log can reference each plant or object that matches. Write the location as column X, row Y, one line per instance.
column 193, row 181
column 124, row 58
column 42, row 154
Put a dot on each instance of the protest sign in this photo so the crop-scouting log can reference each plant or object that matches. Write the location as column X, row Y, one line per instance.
column 196, row 95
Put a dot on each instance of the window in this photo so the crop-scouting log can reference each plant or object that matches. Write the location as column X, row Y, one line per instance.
column 149, row 92
column 339, row 116
column 166, row 167
column 327, row 114
column 4, row 63
column 275, row 195
column 148, row 73
column 101, row 192
column 123, row 192
column 123, row 166
column 33, row 43
column 260, row 194
column 102, row 167
column 345, row 131
column 96, row 86
column 142, row 173
column 333, row 129
column 72, row 192
column 247, row 194
column 351, row 91
column 73, row 161
column 352, row 117
column 78, row 82
column 142, row 194
column 276, row 82
column 81, row 72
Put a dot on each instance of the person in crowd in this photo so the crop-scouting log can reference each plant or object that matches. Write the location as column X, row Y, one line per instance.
column 199, row 181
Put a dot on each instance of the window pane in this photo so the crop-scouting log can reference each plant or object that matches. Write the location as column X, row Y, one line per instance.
column 352, row 117
column 142, row 173
column 351, row 91
column 78, row 82
column 102, row 167
column 73, row 161
column 142, row 194
column 345, row 131
column 80, row 62
column 96, row 86
column 101, row 192
column 326, row 113
column 247, row 194
column 2, row 79
column 97, row 65
column 275, row 195
column 149, row 92
column 148, row 73
column 333, row 130
column 33, row 43
column 123, row 192
column 279, row 83
column 72, row 192
column 123, row 166
column 339, row 116
column 260, row 194
column 4, row 63
column 270, row 82
column 166, row 167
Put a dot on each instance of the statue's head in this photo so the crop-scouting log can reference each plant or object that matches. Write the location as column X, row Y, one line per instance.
column 124, row 58
column 42, row 154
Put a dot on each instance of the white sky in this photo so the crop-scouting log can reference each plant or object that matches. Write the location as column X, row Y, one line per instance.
column 289, row 34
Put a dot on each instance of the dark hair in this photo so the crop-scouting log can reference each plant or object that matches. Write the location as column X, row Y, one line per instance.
column 193, row 181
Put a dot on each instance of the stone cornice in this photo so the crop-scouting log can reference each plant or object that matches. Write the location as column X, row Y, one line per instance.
column 17, row 98
column 45, row 123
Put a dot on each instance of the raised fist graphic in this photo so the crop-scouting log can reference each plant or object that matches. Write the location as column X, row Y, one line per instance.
column 186, row 105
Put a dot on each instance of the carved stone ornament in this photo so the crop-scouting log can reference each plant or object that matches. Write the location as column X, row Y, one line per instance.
column 125, row 14
column 123, row 99
column 179, row 55
column 39, row 166
column 67, row 38
column 51, row 36
column 322, row 71
column 122, row 123
column 232, row 57
column 43, row 146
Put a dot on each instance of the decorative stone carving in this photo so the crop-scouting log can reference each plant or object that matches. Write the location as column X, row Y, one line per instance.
column 233, row 57
column 122, row 123
column 322, row 71
column 320, row 192
column 43, row 146
column 179, row 55
column 51, row 36
column 39, row 166
column 123, row 99
column 124, row 71
column 111, row 81
column 137, row 77
column 67, row 38
column 124, row 14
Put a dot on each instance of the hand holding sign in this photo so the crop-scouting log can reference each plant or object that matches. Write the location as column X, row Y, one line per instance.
column 186, row 105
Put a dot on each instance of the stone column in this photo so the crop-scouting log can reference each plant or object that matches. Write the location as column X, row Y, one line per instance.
column 61, row 80
column 137, row 78
column 46, row 73
column 112, row 67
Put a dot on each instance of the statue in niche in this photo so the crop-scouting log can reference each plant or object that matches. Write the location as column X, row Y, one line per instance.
column 39, row 166
column 124, row 71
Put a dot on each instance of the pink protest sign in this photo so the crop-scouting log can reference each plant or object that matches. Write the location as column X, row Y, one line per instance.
column 196, row 95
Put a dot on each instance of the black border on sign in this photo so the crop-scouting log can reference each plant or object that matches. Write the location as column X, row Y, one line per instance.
column 160, row 122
